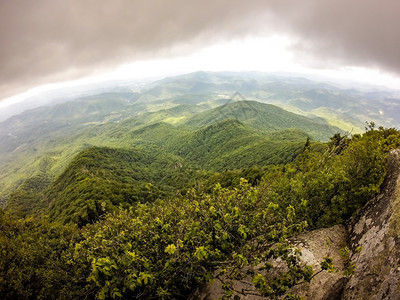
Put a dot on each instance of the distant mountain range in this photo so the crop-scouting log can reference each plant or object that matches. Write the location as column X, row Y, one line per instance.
column 207, row 120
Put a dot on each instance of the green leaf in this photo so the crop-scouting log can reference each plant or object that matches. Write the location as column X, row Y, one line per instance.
column 170, row 249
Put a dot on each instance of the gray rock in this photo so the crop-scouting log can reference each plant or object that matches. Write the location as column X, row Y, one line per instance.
column 314, row 245
column 318, row 244
column 374, row 237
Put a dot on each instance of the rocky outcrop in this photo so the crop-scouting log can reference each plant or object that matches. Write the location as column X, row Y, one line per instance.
column 369, row 244
column 314, row 245
column 374, row 237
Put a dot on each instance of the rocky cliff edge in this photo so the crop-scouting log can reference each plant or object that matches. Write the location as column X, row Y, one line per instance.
column 368, row 266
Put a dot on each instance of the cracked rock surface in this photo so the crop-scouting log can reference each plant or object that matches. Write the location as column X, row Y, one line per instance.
column 374, row 238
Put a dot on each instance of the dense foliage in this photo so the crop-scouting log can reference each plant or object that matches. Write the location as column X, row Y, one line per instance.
column 166, row 247
column 101, row 179
column 162, row 161
column 327, row 187
column 42, row 142
column 32, row 263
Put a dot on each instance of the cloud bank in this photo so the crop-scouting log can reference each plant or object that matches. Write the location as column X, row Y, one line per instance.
column 46, row 41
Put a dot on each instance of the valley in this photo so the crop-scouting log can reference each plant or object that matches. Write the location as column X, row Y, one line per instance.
column 150, row 192
column 53, row 134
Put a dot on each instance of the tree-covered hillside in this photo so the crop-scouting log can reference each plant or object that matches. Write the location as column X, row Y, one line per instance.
column 48, row 137
column 164, row 161
column 150, row 193
column 263, row 117
column 101, row 179
column 42, row 142
column 166, row 247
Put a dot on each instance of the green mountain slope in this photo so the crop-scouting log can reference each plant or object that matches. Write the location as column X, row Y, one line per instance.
column 180, row 130
column 38, row 125
column 41, row 142
column 175, row 180
column 163, row 160
column 231, row 145
column 169, row 247
column 263, row 117
column 228, row 144
column 101, row 179
column 352, row 107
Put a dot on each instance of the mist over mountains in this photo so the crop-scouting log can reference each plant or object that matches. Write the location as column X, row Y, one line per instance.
column 307, row 93
column 124, row 114
column 147, row 189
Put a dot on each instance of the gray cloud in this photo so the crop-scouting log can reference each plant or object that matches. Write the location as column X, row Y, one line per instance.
column 46, row 40
column 359, row 32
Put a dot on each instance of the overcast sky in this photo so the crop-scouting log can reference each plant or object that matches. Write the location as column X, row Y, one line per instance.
column 46, row 41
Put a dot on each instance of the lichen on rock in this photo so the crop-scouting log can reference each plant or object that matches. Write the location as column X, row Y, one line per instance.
column 375, row 230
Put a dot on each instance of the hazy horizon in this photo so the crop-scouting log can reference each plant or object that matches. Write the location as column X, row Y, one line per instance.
column 47, row 43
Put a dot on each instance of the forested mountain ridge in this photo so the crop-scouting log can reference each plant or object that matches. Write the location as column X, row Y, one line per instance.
column 264, row 117
column 345, row 106
column 42, row 141
column 165, row 157
column 166, row 246
column 101, row 179
column 149, row 194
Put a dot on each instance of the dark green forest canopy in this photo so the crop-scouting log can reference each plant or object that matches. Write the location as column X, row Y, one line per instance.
column 101, row 179
column 164, row 247
column 263, row 117
column 161, row 161
column 40, row 143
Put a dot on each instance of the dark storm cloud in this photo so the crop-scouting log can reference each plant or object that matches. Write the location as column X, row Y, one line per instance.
column 47, row 40
column 358, row 32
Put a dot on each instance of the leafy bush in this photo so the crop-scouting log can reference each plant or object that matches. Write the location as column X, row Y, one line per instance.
column 165, row 249
column 31, row 258
column 327, row 188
